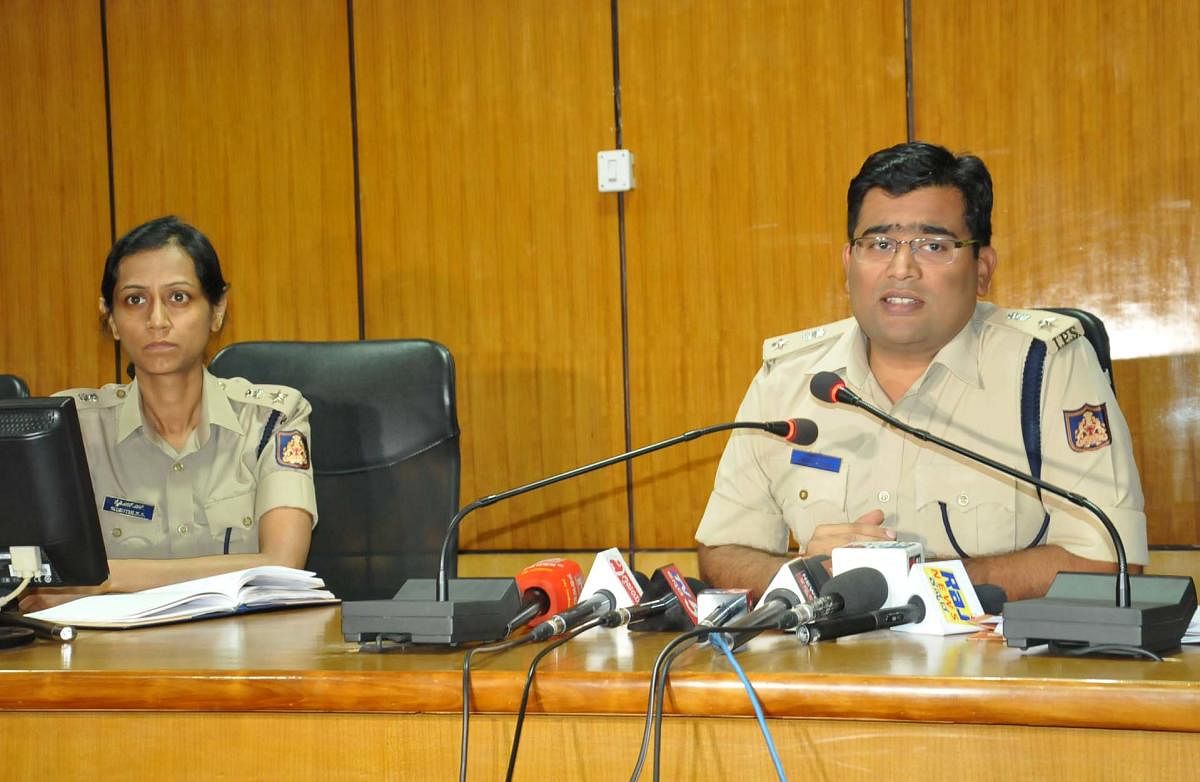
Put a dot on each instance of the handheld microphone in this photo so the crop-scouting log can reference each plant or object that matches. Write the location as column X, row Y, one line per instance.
column 548, row 586
column 855, row 591
column 669, row 603
column 441, row 612
column 1073, row 613
column 610, row 585
column 798, row 581
column 852, row 624
column 720, row 606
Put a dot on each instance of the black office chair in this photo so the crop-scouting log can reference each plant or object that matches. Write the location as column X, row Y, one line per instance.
column 385, row 453
column 13, row 387
column 1093, row 329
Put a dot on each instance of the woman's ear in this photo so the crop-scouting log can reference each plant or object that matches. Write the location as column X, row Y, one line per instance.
column 218, row 313
column 106, row 316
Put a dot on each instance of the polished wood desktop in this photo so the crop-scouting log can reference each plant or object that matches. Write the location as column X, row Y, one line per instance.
column 282, row 696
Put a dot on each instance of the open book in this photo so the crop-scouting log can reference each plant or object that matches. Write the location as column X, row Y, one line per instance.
column 253, row 589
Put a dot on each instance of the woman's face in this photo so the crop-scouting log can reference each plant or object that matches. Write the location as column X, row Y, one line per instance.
column 159, row 314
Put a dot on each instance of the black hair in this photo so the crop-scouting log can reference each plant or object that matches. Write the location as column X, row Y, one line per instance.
column 162, row 232
column 907, row 167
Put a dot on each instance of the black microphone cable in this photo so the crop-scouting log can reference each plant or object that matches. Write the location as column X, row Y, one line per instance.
column 657, row 692
column 466, row 694
column 533, row 664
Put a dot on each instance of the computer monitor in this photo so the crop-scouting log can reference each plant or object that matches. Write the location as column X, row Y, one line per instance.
column 46, row 497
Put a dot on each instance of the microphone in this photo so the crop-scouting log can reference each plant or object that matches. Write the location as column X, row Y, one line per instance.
column 797, row 581
column 548, row 586
column 852, row 624
column 456, row 611
column 610, row 585
column 1166, row 603
column 669, row 603
column 855, row 591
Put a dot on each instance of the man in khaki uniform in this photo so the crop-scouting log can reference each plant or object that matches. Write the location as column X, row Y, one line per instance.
column 921, row 347
column 248, row 455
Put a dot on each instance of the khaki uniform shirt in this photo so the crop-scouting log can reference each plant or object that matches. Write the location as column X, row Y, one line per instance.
column 158, row 503
column 970, row 395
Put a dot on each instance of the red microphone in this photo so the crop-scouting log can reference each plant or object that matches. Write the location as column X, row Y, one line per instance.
column 548, row 586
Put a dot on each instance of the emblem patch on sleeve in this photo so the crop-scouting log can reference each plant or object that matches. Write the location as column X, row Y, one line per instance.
column 1087, row 428
column 291, row 450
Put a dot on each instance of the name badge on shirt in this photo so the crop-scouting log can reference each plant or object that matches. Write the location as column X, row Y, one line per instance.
column 139, row 510
column 819, row 461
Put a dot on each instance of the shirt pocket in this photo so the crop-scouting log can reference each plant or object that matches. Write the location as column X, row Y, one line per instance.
column 130, row 535
column 232, row 519
column 976, row 508
column 812, row 496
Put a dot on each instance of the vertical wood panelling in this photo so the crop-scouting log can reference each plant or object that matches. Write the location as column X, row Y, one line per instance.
column 235, row 115
column 483, row 229
column 54, row 211
column 1086, row 113
column 747, row 120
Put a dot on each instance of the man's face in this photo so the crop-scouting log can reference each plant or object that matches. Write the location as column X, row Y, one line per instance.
column 909, row 309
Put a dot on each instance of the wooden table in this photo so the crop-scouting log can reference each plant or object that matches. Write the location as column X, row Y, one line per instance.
column 281, row 696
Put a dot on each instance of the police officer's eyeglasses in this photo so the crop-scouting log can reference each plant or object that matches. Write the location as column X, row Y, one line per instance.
column 876, row 248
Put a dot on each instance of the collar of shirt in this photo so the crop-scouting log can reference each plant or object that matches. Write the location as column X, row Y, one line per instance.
column 215, row 410
column 960, row 356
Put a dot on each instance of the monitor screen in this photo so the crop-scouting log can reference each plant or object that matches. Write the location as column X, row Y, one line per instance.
column 46, row 497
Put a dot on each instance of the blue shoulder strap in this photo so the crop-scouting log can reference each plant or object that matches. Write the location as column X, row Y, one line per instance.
column 1031, row 418
column 1031, row 434
column 272, row 422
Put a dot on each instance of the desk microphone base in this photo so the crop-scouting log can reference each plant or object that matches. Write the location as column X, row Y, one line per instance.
column 1079, row 613
column 479, row 609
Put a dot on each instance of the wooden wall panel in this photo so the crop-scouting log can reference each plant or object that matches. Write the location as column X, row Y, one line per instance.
column 482, row 228
column 1086, row 114
column 54, row 202
column 748, row 120
column 235, row 115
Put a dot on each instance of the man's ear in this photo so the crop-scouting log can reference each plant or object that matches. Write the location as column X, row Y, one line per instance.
column 846, row 260
column 985, row 267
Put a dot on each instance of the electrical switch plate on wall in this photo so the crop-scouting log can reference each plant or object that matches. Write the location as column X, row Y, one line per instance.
column 614, row 170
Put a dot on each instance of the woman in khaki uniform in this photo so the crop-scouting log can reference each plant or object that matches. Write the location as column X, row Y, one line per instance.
column 194, row 475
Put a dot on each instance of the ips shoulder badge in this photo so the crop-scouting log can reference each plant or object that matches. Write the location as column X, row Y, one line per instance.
column 1087, row 428
column 291, row 450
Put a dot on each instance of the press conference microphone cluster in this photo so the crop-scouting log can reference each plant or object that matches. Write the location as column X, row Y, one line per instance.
column 456, row 611
column 1073, row 614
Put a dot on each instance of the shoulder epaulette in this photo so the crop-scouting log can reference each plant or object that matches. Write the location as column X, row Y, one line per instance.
column 798, row 342
column 1053, row 328
column 276, row 397
column 109, row 395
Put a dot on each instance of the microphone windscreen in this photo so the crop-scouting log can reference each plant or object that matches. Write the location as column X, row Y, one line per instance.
column 561, row 580
column 862, row 588
column 824, row 386
column 804, row 432
column 991, row 598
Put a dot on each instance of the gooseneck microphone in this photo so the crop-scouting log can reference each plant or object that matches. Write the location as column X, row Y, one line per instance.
column 796, row 430
column 828, row 387
column 479, row 609
column 1072, row 617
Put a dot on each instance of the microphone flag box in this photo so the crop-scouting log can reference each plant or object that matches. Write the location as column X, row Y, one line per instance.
column 893, row 558
column 950, row 599
column 610, row 574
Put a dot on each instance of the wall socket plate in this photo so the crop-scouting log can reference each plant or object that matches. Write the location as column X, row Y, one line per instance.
column 614, row 170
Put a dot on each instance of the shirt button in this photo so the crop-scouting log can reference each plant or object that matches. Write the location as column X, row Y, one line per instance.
column 120, row 393
column 963, row 500
column 183, row 530
column 116, row 532
column 247, row 522
column 804, row 494
column 177, row 466
column 885, row 495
